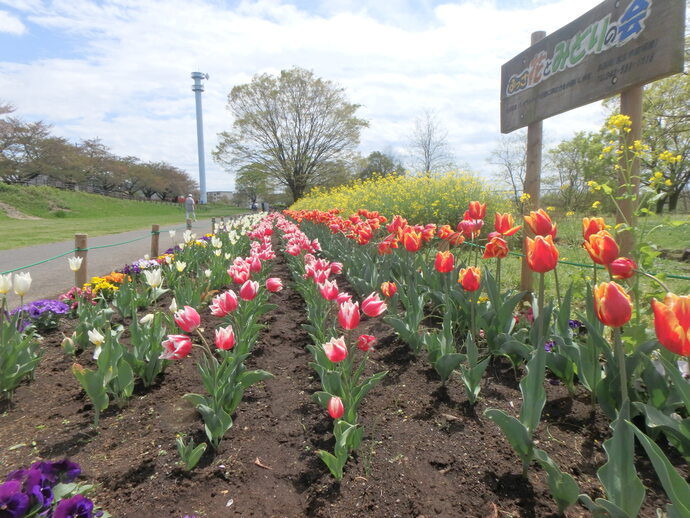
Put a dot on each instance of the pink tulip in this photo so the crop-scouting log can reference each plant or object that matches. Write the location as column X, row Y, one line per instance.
column 225, row 338
column 274, row 284
column 329, row 290
column 176, row 347
column 239, row 274
column 335, row 349
column 364, row 342
column 348, row 315
column 336, row 268
column 254, row 264
column 249, row 290
column 188, row 319
column 373, row 306
column 335, row 407
column 343, row 297
column 223, row 304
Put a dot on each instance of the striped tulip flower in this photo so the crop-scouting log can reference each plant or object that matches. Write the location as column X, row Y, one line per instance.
column 188, row 319
column 329, row 290
column 176, row 347
column 592, row 226
column 223, row 304
column 348, row 315
column 274, row 284
column 364, row 342
column 388, row 289
column 540, row 223
column 672, row 323
column 504, row 224
column 612, row 305
column 622, row 268
column 373, row 306
column 542, row 254
column 412, row 240
column 496, row 247
column 335, row 407
column 470, row 278
column 225, row 338
column 335, row 349
column 445, row 262
column 249, row 290
column 602, row 248
column 476, row 210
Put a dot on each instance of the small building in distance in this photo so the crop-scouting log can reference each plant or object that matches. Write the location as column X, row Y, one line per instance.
column 219, row 196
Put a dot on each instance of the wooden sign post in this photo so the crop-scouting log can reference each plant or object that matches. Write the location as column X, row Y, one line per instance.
column 616, row 47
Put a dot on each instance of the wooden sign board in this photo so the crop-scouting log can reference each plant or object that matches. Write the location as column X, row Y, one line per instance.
column 616, row 45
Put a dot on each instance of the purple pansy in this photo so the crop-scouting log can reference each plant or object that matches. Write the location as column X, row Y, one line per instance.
column 13, row 503
column 76, row 507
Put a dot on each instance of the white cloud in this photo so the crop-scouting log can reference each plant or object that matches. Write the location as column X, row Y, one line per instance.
column 11, row 24
column 129, row 81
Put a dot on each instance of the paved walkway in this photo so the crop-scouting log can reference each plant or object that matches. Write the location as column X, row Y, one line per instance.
column 54, row 277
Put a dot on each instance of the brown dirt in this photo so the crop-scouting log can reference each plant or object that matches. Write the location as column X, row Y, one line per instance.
column 14, row 213
column 426, row 451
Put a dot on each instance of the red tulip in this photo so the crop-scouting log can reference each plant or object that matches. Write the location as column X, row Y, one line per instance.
column 364, row 342
column 470, row 278
column 373, row 306
column 477, row 210
column 470, row 228
column 274, row 284
column 540, row 223
column 445, row 232
column 225, row 338
column 388, row 289
column 542, row 254
column 504, row 225
column 622, row 268
column 602, row 248
column 223, row 304
column 329, row 290
column 613, row 306
column 343, row 297
column 176, row 347
column 672, row 323
column 348, row 315
column 249, row 290
column 335, row 349
column 254, row 264
column 592, row 226
column 496, row 247
column 336, row 267
column 335, row 407
column 188, row 319
column 445, row 262
column 412, row 241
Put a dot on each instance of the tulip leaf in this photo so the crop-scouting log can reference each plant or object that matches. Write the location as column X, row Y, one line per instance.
column 618, row 475
column 674, row 485
column 335, row 466
column 517, row 434
column 248, row 378
column 602, row 508
column 532, row 388
column 563, row 487
column 446, row 364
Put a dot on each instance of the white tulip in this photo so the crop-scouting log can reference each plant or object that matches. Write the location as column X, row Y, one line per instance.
column 5, row 283
column 147, row 257
column 173, row 306
column 217, row 252
column 216, row 242
column 22, row 283
column 172, row 234
column 180, row 265
column 75, row 263
column 207, row 273
column 146, row 319
column 95, row 337
column 187, row 236
column 153, row 277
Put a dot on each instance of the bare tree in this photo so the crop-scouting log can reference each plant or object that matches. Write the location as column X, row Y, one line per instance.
column 293, row 127
column 429, row 148
column 510, row 157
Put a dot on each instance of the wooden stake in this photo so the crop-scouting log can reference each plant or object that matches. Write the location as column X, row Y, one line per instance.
column 155, row 234
column 532, row 184
column 80, row 244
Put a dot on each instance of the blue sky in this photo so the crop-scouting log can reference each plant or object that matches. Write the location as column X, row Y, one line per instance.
column 120, row 69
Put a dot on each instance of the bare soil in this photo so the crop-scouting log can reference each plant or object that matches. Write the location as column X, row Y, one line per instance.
column 426, row 452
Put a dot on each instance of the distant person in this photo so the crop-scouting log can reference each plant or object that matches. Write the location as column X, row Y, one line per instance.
column 254, row 206
column 189, row 207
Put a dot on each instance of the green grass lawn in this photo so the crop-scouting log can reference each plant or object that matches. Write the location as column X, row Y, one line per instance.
column 61, row 214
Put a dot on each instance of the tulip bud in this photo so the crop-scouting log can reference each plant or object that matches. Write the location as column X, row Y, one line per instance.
column 335, row 407
column 225, row 338
column 335, row 349
column 5, row 283
column 622, row 268
column 22, row 283
column 542, row 254
column 188, row 319
column 612, row 305
column 348, row 315
column 146, row 319
column 388, row 289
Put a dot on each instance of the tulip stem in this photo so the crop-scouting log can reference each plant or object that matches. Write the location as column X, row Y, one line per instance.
column 649, row 275
column 498, row 274
column 558, row 286
column 540, row 305
column 620, row 358
column 594, row 275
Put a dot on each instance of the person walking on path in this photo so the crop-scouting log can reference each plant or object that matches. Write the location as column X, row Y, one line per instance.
column 189, row 206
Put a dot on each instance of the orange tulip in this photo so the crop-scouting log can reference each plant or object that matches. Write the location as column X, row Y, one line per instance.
column 388, row 288
column 412, row 241
column 540, row 223
column 612, row 305
column 592, row 226
column 445, row 232
column 477, row 210
column 470, row 278
column 496, row 247
column 445, row 262
column 602, row 248
column 542, row 254
column 503, row 223
column 672, row 323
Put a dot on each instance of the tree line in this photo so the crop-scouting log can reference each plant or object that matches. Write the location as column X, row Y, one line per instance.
column 29, row 152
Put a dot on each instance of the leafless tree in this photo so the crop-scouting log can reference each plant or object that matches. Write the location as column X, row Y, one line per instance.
column 510, row 158
column 429, row 149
